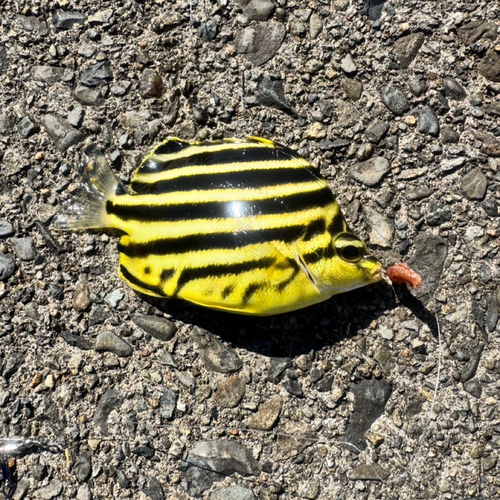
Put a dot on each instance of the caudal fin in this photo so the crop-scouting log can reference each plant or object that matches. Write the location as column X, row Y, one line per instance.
column 86, row 209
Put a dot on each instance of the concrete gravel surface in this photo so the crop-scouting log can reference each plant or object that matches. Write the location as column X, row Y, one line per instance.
column 381, row 393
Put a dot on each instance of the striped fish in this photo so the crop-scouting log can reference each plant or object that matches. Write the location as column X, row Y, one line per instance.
column 240, row 225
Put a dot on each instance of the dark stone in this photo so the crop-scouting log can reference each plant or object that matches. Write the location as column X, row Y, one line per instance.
column 88, row 96
column 438, row 214
column 111, row 342
column 370, row 398
column 474, row 388
column 475, row 30
column 428, row 261
column 428, row 122
column 160, row 328
column 474, row 184
column 27, row 127
column 24, row 248
column 449, row 135
column 215, row 356
column 259, row 10
column 406, row 48
column 61, row 132
column 65, row 20
column 110, row 400
column 168, row 403
column 470, row 368
column 151, row 84
column 376, row 131
column 293, row 387
column 96, row 74
column 260, row 43
column 4, row 60
column 7, row 266
column 272, row 95
column 83, row 467
column 453, row 90
column 77, row 341
column 144, row 451
column 489, row 66
column 395, row 100
column 373, row 9
column 208, row 31
column 490, row 207
column 154, row 489
column 277, row 368
column 491, row 315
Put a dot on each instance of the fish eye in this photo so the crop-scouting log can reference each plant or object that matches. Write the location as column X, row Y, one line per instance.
column 351, row 253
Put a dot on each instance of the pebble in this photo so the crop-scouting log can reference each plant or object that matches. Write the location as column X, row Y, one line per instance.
column 490, row 207
column 272, row 94
column 24, row 248
column 109, row 341
column 77, row 341
column 395, row 100
column 449, row 135
column 83, row 466
column 477, row 29
column 168, row 403
column 376, row 131
column 259, row 10
column 315, row 26
column 260, row 43
column 153, row 489
column 352, row 88
column 6, row 229
column 28, row 127
column 210, row 461
column 430, row 252
column 489, row 65
column 84, row 492
column 381, row 228
column 407, row 47
column 150, row 84
column 120, row 88
column 81, row 297
column 474, row 184
column 292, row 386
column 386, row 333
column 56, row 291
column 96, row 74
column 109, row 401
column 229, row 391
column 453, row 90
column 48, row 74
column 370, row 172
column 348, row 65
column 470, row 368
column 52, row 490
column 448, row 166
column 61, row 132
column 267, row 415
column 235, row 492
column 473, row 387
column 428, row 122
column 115, row 297
column 370, row 398
column 417, row 86
column 276, row 369
column 101, row 17
column 316, row 131
column 219, row 358
column 287, row 445
column 75, row 116
column 437, row 214
column 160, row 328
column 67, row 19
column 88, row 96
column 369, row 472
column 491, row 315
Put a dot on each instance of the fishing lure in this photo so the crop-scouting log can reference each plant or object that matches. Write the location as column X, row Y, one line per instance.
column 401, row 273
column 240, row 225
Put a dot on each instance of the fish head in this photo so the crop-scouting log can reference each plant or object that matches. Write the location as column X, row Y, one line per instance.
column 349, row 266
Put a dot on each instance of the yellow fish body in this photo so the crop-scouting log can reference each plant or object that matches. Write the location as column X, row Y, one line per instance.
column 239, row 225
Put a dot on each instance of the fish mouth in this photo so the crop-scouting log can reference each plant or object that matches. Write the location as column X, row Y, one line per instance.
column 373, row 269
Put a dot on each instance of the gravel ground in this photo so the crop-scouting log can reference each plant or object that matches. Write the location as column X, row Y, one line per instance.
column 398, row 104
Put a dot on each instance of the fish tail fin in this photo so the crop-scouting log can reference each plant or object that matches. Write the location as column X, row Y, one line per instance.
column 86, row 209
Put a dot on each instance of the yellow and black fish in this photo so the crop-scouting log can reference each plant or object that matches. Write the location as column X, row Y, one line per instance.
column 240, row 225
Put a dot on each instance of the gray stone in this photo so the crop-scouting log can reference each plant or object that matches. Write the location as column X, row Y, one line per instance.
column 476, row 30
column 160, row 328
column 11, row 364
column 259, row 10
column 101, row 17
column 437, row 214
column 267, row 415
column 293, row 439
column 109, row 341
column 381, row 228
column 276, row 369
column 293, row 387
column 352, row 88
column 235, row 492
column 88, row 96
column 52, row 490
column 474, row 184
column 229, row 391
column 154, row 489
column 395, row 100
column 489, row 66
column 61, row 132
column 77, row 341
column 407, row 47
column 370, row 398
column 84, row 492
column 120, row 88
column 168, row 403
column 376, row 131
column 369, row 472
column 96, row 74
column 470, row 368
column 24, row 247
column 47, row 74
column 210, row 461
column 453, row 90
column 490, row 207
column 428, row 261
column 66, row 19
column 75, row 116
column 260, row 43
column 109, row 401
column 115, row 297
column 6, row 229
column 34, row 25
column 315, row 26
column 28, row 127
column 151, row 84
column 4, row 60
column 428, row 122
column 83, row 466
column 215, row 356
column 417, row 86
column 348, row 65
column 449, row 135
column 272, row 95
column 491, row 315
column 370, row 172
column 474, row 388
